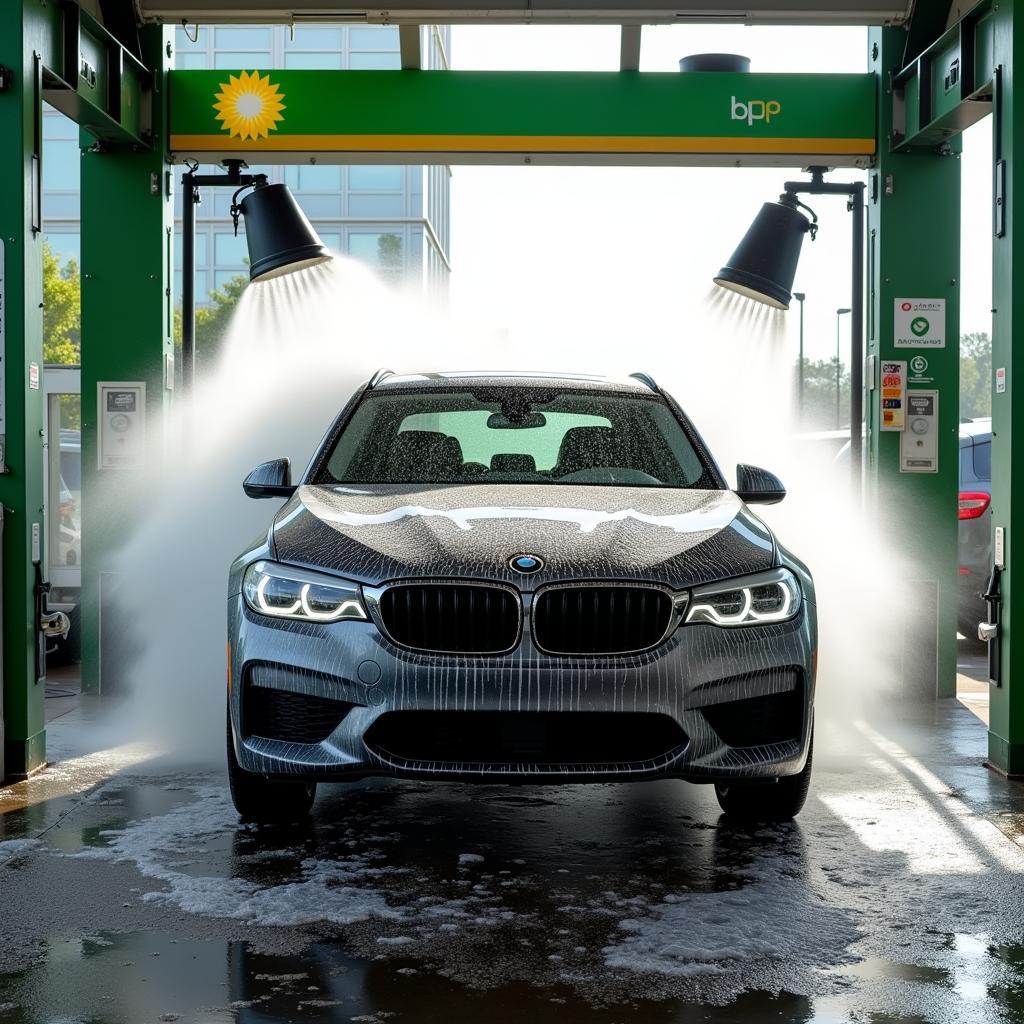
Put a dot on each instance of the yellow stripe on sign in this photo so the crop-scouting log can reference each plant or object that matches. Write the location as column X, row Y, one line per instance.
column 518, row 143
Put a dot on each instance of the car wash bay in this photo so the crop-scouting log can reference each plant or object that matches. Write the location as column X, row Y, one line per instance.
column 129, row 889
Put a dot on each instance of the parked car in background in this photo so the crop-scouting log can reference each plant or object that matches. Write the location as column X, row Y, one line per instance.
column 975, row 533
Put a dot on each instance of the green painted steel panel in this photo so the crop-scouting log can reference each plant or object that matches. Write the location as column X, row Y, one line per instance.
column 490, row 106
column 126, row 335
column 914, row 252
column 1006, row 723
column 25, row 28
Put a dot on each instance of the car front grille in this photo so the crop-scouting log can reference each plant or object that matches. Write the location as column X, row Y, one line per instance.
column 600, row 619
column 456, row 618
column 290, row 717
column 507, row 741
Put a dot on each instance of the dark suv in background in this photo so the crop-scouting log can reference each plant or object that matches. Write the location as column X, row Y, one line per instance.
column 975, row 534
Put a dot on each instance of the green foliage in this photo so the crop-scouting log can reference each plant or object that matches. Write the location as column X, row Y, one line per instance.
column 389, row 258
column 975, row 375
column 62, row 310
column 211, row 322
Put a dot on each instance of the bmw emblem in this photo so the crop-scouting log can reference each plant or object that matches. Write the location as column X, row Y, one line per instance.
column 526, row 564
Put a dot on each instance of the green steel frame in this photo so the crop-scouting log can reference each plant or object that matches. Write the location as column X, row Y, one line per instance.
column 910, row 117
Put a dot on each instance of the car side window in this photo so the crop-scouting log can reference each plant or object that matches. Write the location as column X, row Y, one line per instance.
column 983, row 460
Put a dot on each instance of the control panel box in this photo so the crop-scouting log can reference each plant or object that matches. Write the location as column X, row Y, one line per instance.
column 919, row 442
column 121, row 408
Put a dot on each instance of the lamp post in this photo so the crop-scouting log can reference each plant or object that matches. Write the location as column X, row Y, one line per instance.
column 764, row 265
column 839, row 376
column 800, row 296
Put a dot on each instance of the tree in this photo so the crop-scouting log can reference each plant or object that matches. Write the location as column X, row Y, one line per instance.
column 820, row 394
column 389, row 257
column 211, row 321
column 975, row 375
column 62, row 310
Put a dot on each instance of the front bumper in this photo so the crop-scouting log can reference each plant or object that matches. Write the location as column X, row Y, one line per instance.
column 725, row 703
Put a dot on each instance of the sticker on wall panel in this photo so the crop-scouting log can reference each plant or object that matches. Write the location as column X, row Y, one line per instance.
column 894, row 394
column 1001, row 381
column 919, row 323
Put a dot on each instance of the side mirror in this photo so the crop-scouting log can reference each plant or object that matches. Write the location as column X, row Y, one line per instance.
column 757, row 486
column 270, row 480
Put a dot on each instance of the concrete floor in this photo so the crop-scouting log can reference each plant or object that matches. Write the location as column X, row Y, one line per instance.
column 129, row 893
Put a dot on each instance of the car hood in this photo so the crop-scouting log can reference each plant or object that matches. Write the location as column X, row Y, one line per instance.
column 373, row 534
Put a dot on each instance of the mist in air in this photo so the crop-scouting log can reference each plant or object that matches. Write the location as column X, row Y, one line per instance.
column 297, row 348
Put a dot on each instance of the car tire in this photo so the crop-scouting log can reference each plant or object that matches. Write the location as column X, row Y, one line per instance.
column 756, row 801
column 263, row 800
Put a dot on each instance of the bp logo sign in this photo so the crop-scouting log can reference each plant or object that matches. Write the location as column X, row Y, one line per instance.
column 919, row 323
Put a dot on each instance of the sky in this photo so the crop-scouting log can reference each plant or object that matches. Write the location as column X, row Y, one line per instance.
column 601, row 253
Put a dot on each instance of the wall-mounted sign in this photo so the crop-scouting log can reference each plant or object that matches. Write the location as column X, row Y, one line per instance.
column 1001, row 380
column 894, row 394
column 919, row 323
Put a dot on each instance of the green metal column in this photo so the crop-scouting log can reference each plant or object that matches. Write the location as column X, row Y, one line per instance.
column 1006, row 726
column 127, row 243
column 913, row 252
column 24, row 33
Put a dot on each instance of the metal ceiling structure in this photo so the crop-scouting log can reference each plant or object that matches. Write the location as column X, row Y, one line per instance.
column 553, row 12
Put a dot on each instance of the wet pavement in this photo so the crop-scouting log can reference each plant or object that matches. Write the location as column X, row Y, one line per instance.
column 130, row 893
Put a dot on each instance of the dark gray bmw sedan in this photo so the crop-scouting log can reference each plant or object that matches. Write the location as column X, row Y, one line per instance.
column 518, row 578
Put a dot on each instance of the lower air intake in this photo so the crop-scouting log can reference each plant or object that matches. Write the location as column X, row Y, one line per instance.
column 757, row 721
column 290, row 717
column 502, row 740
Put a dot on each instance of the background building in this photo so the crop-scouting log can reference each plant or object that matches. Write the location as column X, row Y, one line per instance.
column 396, row 218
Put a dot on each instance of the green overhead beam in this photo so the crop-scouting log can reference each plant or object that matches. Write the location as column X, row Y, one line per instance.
column 504, row 117
column 949, row 87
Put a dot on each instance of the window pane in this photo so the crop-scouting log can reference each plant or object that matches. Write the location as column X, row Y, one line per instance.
column 61, row 165
column 192, row 61
column 322, row 205
column 374, row 178
column 320, row 177
column 229, row 250
column 319, row 61
column 376, row 206
column 308, row 37
column 183, row 39
column 373, row 37
column 331, row 239
column 231, row 38
column 248, row 61
column 374, row 61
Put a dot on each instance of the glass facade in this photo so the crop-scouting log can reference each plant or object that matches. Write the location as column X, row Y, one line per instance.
column 396, row 218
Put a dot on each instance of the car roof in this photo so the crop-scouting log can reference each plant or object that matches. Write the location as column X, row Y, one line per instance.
column 977, row 428
column 383, row 381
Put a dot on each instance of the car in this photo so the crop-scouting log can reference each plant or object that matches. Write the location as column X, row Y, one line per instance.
column 975, row 525
column 518, row 578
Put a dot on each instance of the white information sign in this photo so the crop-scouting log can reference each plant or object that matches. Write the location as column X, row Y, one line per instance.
column 1001, row 381
column 919, row 323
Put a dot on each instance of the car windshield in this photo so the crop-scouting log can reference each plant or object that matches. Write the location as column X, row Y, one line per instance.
column 515, row 435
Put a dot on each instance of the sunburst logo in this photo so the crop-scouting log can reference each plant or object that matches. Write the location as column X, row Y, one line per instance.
column 249, row 106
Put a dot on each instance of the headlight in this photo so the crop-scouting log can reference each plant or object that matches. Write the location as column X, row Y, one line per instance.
column 286, row 592
column 767, row 597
